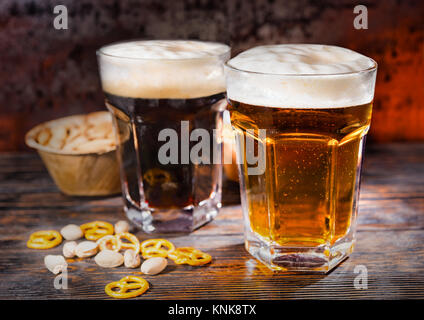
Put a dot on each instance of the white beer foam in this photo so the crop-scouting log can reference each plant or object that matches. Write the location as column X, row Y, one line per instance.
column 172, row 69
column 301, row 76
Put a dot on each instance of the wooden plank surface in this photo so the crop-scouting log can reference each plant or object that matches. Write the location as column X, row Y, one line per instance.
column 390, row 240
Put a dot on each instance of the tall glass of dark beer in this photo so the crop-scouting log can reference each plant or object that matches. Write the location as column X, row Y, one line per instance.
column 166, row 97
column 314, row 103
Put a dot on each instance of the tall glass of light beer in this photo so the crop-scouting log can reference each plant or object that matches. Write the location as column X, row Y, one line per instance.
column 306, row 110
column 166, row 97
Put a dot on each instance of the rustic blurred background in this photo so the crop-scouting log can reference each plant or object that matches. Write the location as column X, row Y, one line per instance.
column 47, row 73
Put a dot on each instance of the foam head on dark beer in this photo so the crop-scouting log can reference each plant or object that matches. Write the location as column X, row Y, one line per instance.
column 300, row 76
column 163, row 69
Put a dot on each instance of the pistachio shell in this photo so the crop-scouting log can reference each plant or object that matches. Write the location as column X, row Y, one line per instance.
column 71, row 232
column 69, row 249
column 122, row 226
column 86, row 249
column 55, row 263
column 131, row 259
column 154, row 265
column 109, row 259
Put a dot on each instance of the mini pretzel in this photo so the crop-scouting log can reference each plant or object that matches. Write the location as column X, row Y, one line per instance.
column 109, row 242
column 97, row 229
column 190, row 256
column 156, row 248
column 133, row 241
column 127, row 287
column 45, row 239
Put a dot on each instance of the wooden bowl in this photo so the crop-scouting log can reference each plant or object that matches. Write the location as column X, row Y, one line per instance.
column 78, row 173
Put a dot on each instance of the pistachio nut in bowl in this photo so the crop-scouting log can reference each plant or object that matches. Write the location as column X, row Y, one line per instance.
column 79, row 152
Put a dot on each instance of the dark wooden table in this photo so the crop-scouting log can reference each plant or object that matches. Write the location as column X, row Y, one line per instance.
column 390, row 240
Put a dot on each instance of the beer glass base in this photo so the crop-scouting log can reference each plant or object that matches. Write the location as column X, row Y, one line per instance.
column 184, row 220
column 320, row 259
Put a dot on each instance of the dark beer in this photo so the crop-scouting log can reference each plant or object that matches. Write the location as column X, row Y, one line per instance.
column 156, row 86
column 170, row 185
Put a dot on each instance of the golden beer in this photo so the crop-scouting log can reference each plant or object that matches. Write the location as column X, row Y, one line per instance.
column 311, row 171
column 300, row 212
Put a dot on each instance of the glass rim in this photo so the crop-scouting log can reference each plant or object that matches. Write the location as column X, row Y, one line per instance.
column 100, row 52
column 288, row 75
